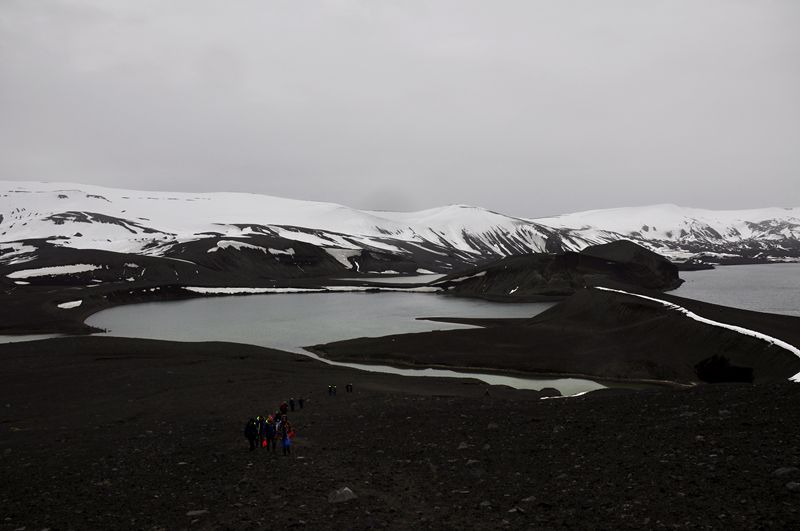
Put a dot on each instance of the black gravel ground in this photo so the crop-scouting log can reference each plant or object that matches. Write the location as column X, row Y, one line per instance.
column 104, row 433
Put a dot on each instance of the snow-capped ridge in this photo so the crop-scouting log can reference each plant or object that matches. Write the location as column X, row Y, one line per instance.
column 92, row 217
column 167, row 224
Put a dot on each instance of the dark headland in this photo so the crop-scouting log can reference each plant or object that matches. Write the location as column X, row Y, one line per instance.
column 114, row 433
column 600, row 334
column 545, row 276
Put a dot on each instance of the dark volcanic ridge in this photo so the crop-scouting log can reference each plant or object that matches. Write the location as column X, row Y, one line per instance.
column 543, row 276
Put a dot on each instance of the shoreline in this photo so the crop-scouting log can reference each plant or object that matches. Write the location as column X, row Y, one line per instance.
column 635, row 384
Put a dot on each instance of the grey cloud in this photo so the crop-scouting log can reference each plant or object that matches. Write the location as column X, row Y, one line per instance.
column 525, row 107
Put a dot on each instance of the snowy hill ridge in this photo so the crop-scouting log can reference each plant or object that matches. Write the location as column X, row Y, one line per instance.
column 683, row 233
column 234, row 231
column 36, row 218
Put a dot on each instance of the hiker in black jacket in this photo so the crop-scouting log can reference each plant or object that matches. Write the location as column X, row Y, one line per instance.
column 251, row 433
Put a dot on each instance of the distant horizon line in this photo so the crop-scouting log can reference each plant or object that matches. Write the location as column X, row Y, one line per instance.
column 439, row 207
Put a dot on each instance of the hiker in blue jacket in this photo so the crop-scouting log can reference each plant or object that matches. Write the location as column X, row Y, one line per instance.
column 285, row 431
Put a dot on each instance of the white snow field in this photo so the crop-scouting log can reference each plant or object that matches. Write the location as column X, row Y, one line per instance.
column 225, row 244
column 260, row 291
column 55, row 270
column 70, row 304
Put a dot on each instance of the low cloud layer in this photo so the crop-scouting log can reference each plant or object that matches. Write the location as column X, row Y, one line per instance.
column 526, row 107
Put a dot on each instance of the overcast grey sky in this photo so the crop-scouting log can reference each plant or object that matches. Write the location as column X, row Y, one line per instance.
column 526, row 107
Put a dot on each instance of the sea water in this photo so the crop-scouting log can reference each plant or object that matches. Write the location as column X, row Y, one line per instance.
column 771, row 288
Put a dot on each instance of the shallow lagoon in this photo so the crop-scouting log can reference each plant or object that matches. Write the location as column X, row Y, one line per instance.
column 292, row 321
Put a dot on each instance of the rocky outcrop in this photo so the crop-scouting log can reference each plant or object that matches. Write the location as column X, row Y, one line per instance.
column 540, row 276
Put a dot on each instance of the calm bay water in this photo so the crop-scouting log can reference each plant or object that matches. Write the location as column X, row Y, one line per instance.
column 771, row 288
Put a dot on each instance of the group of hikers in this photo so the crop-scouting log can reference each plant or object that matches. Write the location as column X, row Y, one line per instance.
column 266, row 431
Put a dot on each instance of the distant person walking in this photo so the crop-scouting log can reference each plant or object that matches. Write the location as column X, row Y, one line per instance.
column 300, row 402
column 291, row 404
column 349, row 388
column 251, row 433
column 272, row 434
column 262, row 431
column 286, row 434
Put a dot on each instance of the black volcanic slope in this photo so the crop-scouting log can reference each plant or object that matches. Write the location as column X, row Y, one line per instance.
column 604, row 335
column 109, row 433
column 538, row 276
column 633, row 264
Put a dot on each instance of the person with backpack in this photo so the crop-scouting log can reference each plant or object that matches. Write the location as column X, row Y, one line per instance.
column 251, row 433
column 262, row 432
column 272, row 434
column 286, row 434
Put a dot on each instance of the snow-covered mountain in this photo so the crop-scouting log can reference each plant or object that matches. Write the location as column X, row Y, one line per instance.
column 266, row 237
column 270, row 238
column 680, row 233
